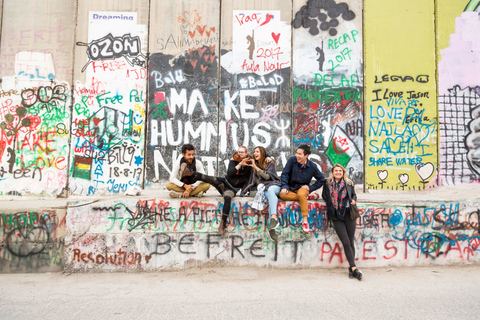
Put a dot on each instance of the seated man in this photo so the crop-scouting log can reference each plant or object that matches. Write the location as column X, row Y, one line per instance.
column 296, row 178
column 181, row 185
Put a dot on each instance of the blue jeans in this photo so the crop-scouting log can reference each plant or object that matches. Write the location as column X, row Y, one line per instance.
column 272, row 195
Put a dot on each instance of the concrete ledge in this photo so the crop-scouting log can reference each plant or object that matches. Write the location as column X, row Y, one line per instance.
column 32, row 240
column 158, row 234
column 152, row 232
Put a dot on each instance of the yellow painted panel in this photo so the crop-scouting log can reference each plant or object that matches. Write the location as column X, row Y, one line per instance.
column 400, row 95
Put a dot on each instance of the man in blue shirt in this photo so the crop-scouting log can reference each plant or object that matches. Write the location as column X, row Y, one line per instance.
column 296, row 178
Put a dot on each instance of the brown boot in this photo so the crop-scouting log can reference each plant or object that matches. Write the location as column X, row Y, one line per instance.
column 222, row 227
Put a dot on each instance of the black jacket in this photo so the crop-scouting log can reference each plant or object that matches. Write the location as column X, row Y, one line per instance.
column 237, row 178
column 326, row 195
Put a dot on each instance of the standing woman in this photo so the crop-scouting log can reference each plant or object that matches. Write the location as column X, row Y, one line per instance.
column 339, row 194
column 265, row 174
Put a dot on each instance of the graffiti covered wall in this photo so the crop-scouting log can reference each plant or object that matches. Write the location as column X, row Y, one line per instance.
column 108, row 120
column 328, row 83
column 255, row 108
column 154, row 234
column 99, row 100
column 35, row 97
column 459, row 97
column 32, row 241
column 183, row 86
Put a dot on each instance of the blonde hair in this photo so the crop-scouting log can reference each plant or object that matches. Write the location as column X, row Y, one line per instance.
column 345, row 176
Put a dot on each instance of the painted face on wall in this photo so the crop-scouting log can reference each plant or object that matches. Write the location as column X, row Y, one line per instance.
column 337, row 173
column 188, row 156
column 301, row 156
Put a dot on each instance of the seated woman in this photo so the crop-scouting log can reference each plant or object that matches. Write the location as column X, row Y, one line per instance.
column 339, row 195
column 268, row 187
column 238, row 174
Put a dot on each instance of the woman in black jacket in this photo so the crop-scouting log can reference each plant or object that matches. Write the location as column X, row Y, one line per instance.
column 238, row 174
column 339, row 194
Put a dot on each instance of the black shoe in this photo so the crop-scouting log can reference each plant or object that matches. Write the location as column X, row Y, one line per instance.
column 272, row 232
column 350, row 273
column 357, row 274
column 273, row 224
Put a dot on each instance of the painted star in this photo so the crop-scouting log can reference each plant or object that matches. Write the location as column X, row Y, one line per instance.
column 138, row 160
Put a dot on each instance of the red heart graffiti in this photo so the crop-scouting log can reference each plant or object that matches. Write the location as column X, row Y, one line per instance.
column 275, row 37
column 194, row 63
column 147, row 258
column 192, row 34
column 96, row 121
column 201, row 30
column 212, row 29
column 201, row 51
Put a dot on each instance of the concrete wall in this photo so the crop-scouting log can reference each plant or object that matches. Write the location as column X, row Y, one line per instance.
column 32, row 240
column 328, row 83
column 36, row 69
column 97, row 98
column 459, row 95
column 155, row 234
column 109, row 112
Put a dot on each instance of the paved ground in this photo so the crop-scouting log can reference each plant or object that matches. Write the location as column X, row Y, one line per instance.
column 245, row 293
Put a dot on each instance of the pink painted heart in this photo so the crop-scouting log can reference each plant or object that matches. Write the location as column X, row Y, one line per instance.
column 201, row 30
column 194, row 63
column 201, row 51
column 275, row 37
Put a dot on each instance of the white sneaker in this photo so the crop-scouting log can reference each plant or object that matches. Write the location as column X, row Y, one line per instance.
column 174, row 194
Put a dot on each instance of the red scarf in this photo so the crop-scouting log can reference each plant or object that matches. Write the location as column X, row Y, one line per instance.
column 338, row 193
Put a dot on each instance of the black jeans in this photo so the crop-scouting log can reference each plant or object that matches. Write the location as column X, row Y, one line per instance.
column 346, row 232
column 223, row 187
